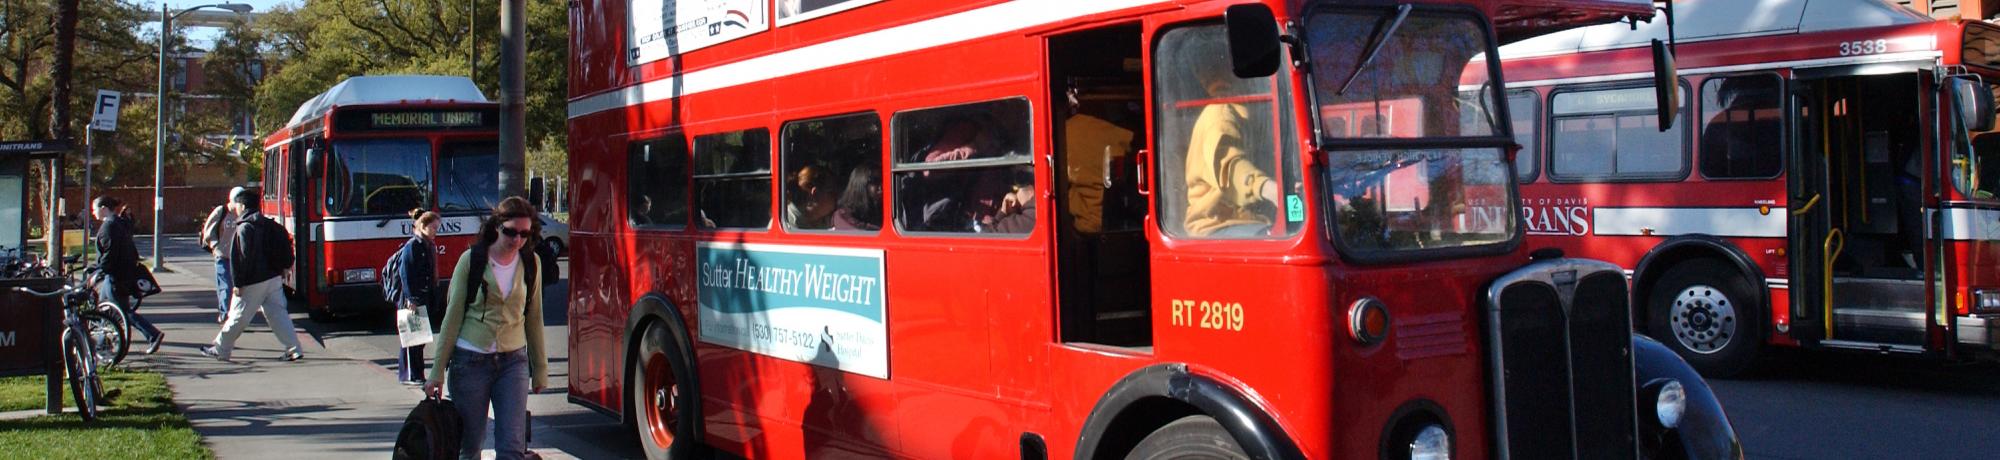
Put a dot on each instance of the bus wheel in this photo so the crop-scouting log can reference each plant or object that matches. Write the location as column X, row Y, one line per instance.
column 661, row 401
column 1703, row 311
column 1194, row 436
column 317, row 315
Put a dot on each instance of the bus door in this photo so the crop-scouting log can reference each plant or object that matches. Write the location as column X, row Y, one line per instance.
column 1856, row 199
column 1102, row 262
column 308, row 155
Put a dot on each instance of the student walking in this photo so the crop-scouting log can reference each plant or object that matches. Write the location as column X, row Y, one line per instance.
column 260, row 252
column 216, row 234
column 418, row 259
column 492, row 338
column 120, row 265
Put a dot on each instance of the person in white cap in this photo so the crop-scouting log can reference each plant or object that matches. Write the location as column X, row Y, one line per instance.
column 216, row 234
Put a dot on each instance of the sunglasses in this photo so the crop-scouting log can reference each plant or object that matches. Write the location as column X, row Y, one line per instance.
column 516, row 233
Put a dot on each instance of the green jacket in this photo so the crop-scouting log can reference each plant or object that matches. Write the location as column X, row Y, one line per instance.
column 507, row 323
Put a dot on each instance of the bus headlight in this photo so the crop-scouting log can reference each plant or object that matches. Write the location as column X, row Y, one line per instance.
column 1986, row 301
column 1669, row 401
column 1431, row 443
column 357, row 275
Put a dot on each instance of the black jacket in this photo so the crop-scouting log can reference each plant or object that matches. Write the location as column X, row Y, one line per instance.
column 121, row 256
column 262, row 250
column 419, row 271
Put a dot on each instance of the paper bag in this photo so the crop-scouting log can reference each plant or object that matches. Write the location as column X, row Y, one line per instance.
column 413, row 326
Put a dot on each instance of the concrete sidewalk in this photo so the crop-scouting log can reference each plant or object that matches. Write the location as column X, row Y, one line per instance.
column 337, row 403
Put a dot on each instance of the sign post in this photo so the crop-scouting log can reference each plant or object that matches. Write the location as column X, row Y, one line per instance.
column 103, row 117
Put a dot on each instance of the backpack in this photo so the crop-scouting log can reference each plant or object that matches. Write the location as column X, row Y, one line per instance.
column 430, row 432
column 478, row 287
column 392, row 275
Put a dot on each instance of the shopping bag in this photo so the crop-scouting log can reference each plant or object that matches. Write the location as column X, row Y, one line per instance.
column 413, row 326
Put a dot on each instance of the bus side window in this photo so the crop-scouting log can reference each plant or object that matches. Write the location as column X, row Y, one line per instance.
column 1742, row 132
column 1525, row 109
column 657, row 183
column 965, row 168
column 1613, row 135
column 732, row 179
column 822, row 157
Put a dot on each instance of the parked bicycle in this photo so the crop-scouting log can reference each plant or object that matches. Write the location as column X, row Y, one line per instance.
column 15, row 264
column 80, row 360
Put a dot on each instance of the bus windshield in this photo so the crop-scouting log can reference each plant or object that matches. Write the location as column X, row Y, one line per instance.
column 375, row 177
column 1397, row 74
column 469, row 176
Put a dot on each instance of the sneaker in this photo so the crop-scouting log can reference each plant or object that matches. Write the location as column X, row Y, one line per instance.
column 209, row 351
column 412, row 383
column 157, row 340
column 292, row 356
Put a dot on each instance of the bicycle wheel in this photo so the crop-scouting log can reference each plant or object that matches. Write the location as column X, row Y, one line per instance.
column 83, row 383
column 109, row 333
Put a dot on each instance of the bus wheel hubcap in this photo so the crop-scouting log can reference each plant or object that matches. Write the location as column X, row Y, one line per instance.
column 664, row 392
column 1703, row 319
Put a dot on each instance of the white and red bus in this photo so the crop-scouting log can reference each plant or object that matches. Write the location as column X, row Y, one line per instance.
column 1818, row 190
column 347, row 169
column 965, row 229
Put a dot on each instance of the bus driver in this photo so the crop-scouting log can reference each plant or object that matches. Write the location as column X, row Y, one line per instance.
column 1223, row 184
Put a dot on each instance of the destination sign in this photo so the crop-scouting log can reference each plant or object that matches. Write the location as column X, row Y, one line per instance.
column 406, row 120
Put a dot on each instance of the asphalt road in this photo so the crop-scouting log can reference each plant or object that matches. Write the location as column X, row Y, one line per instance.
column 1815, row 405
column 1798, row 405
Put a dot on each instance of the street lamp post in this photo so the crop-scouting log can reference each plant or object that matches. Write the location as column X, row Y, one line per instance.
column 160, row 113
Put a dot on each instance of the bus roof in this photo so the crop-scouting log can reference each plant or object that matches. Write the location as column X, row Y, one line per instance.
column 1696, row 21
column 389, row 89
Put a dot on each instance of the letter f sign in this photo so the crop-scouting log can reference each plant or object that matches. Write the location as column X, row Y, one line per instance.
column 104, row 117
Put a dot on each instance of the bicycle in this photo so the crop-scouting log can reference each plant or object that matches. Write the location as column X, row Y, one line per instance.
column 79, row 359
column 109, row 330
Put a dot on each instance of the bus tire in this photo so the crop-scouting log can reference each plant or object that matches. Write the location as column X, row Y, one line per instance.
column 662, row 396
column 1704, row 311
column 320, row 315
column 1193, row 436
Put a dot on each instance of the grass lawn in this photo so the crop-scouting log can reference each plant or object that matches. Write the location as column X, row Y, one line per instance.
column 141, row 423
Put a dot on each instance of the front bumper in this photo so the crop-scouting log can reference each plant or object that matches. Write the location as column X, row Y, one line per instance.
column 348, row 299
column 1979, row 331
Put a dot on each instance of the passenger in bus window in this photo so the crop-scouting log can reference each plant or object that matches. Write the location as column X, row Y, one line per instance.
column 1225, row 188
column 644, row 215
column 860, row 205
column 962, row 139
column 810, row 203
column 1017, row 207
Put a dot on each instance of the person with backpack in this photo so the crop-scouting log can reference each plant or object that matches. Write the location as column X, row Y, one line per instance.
column 119, row 266
column 408, row 281
column 216, row 233
column 259, row 256
column 492, row 337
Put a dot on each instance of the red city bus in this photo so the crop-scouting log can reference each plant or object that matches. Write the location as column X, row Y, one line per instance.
column 347, row 169
column 1819, row 190
column 1035, row 228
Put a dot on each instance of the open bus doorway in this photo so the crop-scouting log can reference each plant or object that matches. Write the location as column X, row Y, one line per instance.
column 1102, row 256
column 1857, row 200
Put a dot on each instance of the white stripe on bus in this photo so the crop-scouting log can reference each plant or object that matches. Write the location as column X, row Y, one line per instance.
column 968, row 25
column 362, row 230
column 1727, row 222
column 1967, row 224
column 1907, row 56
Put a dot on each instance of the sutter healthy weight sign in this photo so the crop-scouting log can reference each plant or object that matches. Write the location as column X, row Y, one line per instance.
column 815, row 305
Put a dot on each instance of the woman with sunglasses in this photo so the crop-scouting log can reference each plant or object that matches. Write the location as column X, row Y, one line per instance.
column 492, row 337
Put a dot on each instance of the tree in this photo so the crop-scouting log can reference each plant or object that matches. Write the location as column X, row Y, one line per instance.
column 317, row 45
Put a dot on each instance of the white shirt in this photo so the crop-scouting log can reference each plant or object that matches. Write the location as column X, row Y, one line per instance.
column 504, row 274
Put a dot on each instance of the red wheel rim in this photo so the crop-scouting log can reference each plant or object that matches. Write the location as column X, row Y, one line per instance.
column 661, row 397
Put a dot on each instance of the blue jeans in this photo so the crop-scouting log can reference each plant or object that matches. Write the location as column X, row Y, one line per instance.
column 476, row 380
column 222, row 285
column 105, row 292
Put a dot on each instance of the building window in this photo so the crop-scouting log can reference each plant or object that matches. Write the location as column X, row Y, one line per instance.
column 832, row 178
column 732, row 179
column 656, row 183
column 966, row 168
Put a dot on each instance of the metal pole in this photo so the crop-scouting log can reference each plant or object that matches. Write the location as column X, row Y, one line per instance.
column 89, row 150
column 472, row 37
column 160, row 131
column 513, row 92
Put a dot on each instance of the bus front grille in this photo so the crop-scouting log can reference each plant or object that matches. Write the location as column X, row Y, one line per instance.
column 1561, row 346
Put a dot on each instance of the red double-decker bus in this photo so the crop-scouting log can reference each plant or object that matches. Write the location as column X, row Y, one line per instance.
column 1089, row 229
column 1826, row 185
column 347, row 169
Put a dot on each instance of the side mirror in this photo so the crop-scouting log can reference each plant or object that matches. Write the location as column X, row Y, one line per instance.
column 536, row 191
column 1253, row 40
column 1975, row 103
column 314, row 160
column 1666, row 85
